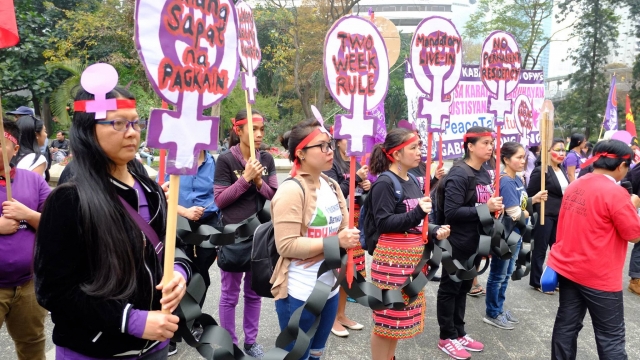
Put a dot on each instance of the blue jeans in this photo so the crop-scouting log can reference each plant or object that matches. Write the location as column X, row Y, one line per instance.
column 285, row 307
column 497, row 283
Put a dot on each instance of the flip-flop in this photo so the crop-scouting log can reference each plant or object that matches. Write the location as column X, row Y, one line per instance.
column 476, row 290
column 544, row 292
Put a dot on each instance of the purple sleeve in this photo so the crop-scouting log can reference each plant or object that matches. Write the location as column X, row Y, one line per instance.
column 44, row 191
column 226, row 195
column 179, row 268
column 270, row 189
column 137, row 322
column 572, row 160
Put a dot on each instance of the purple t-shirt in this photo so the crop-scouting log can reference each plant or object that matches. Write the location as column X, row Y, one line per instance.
column 573, row 159
column 16, row 250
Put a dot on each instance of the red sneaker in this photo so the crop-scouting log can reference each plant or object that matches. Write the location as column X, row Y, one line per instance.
column 454, row 349
column 468, row 343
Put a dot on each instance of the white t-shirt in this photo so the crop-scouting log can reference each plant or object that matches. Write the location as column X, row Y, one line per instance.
column 325, row 222
column 562, row 180
column 27, row 161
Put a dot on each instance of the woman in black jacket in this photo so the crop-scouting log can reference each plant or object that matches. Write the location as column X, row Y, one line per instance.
column 556, row 181
column 96, row 269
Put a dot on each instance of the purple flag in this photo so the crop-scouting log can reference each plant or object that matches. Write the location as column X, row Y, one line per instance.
column 611, row 116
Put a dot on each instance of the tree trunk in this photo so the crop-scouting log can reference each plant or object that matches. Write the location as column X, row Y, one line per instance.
column 36, row 104
column 46, row 116
column 322, row 91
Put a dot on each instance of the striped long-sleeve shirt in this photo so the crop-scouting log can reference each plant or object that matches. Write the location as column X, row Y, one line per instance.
column 237, row 198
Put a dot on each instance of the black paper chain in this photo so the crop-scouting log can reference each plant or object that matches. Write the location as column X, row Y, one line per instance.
column 216, row 343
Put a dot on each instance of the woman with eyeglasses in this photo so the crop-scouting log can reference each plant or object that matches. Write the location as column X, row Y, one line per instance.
column 33, row 135
column 556, row 182
column 98, row 260
column 340, row 172
column 310, row 209
column 242, row 185
column 399, row 220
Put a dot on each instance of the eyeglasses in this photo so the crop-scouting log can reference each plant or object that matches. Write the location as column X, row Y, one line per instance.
column 123, row 125
column 559, row 150
column 324, row 147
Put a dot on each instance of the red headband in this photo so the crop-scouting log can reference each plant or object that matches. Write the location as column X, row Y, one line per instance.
column 389, row 153
column 595, row 157
column 81, row 105
column 303, row 143
column 468, row 136
column 238, row 123
column 10, row 138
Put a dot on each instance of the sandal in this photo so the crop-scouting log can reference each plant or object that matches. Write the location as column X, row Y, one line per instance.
column 544, row 292
column 477, row 290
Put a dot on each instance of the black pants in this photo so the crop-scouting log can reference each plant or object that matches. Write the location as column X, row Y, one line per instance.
column 607, row 315
column 544, row 237
column 452, row 301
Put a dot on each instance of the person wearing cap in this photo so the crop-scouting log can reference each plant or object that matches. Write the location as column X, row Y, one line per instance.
column 22, row 111
column 589, row 258
column 18, row 224
column 241, row 187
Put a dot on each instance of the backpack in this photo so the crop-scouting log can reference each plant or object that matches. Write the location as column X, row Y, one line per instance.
column 264, row 256
column 368, row 227
column 437, row 195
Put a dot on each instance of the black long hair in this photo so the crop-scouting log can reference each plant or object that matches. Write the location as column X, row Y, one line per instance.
column 623, row 153
column 576, row 140
column 113, row 250
column 29, row 126
column 379, row 162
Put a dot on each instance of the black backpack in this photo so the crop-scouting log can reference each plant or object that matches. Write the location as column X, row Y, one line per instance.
column 437, row 194
column 264, row 256
column 369, row 226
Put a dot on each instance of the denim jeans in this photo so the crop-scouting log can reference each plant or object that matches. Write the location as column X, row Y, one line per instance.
column 285, row 307
column 497, row 283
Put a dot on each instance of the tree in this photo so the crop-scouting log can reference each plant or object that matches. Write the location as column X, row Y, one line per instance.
column 522, row 18
column 597, row 28
column 63, row 96
column 306, row 27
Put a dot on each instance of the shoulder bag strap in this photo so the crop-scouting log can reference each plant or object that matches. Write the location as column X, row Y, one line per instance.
column 146, row 229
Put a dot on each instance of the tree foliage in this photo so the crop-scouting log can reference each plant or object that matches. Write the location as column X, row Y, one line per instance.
column 522, row 18
column 597, row 29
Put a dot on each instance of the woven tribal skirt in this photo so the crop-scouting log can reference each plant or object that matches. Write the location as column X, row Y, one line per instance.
column 358, row 252
column 394, row 259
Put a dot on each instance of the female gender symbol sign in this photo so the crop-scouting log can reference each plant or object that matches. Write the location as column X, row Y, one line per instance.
column 248, row 49
column 356, row 69
column 436, row 61
column 500, row 72
column 524, row 118
column 189, row 50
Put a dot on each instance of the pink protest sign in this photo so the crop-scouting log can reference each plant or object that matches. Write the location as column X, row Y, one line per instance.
column 356, row 70
column 189, row 51
column 99, row 79
column 248, row 49
column 500, row 68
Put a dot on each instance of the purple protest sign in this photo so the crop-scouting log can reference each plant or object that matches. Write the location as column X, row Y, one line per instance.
column 611, row 114
column 189, row 51
column 436, row 61
column 248, row 49
column 356, row 70
column 500, row 68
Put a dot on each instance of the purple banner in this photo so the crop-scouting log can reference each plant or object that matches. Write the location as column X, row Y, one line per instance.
column 611, row 115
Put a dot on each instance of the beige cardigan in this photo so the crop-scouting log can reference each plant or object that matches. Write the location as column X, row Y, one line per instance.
column 292, row 211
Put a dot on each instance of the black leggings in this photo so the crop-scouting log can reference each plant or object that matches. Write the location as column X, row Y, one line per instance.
column 544, row 236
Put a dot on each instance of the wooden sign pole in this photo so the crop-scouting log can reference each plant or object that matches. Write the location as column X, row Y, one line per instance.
column 544, row 151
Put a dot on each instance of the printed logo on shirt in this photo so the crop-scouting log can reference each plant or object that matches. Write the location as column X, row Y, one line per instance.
column 239, row 173
column 484, row 193
column 23, row 225
column 327, row 217
column 412, row 204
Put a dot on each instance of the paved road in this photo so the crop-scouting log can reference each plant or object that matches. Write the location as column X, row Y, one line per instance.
column 530, row 340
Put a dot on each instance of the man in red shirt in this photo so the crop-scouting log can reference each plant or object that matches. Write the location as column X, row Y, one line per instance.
column 598, row 218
